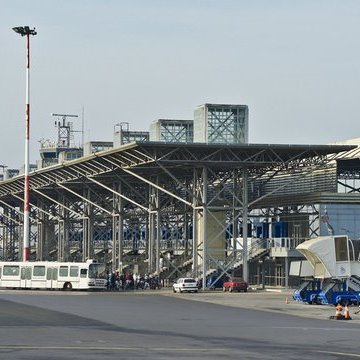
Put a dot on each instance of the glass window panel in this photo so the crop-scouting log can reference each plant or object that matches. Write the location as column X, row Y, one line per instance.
column 83, row 273
column 64, row 271
column 39, row 271
column 341, row 249
column 74, row 271
column 11, row 270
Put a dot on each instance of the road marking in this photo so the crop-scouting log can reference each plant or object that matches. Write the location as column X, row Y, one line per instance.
column 337, row 353
column 306, row 328
column 108, row 348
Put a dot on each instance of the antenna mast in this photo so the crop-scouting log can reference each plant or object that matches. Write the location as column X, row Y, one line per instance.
column 65, row 131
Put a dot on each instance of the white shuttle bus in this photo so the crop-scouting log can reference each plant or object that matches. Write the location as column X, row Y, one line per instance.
column 53, row 275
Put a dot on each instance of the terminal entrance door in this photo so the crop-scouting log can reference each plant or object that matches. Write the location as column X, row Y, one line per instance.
column 51, row 277
column 279, row 275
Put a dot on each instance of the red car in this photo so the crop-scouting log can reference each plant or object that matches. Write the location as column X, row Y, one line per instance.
column 235, row 283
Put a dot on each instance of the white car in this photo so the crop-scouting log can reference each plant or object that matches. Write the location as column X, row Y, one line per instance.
column 185, row 284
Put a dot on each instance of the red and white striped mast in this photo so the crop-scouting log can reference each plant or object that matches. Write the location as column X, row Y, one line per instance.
column 26, row 31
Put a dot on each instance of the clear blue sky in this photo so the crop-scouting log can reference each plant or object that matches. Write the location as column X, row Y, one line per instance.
column 294, row 63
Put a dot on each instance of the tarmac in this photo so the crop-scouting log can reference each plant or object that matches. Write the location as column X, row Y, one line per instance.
column 273, row 300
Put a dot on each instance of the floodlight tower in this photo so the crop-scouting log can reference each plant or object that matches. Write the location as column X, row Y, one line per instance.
column 26, row 31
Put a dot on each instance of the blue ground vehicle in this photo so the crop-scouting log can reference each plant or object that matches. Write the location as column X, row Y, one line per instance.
column 335, row 292
column 215, row 282
column 308, row 291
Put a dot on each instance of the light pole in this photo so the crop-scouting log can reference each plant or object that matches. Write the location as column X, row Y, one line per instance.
column 26, row 31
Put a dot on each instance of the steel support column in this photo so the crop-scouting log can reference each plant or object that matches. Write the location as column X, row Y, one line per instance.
column 286, row 272
column 87, row 228
column 235, row 218
column 63, row 232
column 244, row 221
column 204, row 225
column 40, row 236
column 158, row 228
column 117, row 229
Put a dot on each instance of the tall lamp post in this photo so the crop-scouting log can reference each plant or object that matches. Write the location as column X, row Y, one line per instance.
column 26, row 31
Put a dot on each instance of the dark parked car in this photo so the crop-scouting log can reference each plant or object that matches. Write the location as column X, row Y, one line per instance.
column 215, row 282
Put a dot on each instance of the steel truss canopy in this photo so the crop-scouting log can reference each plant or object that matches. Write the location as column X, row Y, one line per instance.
column 160, row 197
column 149, row 159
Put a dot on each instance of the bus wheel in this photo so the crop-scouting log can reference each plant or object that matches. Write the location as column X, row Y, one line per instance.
column 67, row 286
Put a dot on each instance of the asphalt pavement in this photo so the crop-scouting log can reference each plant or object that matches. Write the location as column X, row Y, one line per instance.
column 163, row 325
column 276, row 300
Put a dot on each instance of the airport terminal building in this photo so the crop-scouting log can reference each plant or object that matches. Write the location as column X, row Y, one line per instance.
column 190, row 197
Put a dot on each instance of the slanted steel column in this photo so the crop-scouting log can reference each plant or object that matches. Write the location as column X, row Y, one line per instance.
column 245, row 220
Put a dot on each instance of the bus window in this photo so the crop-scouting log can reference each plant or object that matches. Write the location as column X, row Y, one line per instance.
column 74, row 271
column 11, row 270
column 39, row 271
column 64, row 271
column 83, row 273
column 0, row 272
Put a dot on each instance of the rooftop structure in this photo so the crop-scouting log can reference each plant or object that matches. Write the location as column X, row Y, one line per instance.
column 64, row 149
column 221, row 124
column 169, row 130
column 123, row 134
column 96, row 146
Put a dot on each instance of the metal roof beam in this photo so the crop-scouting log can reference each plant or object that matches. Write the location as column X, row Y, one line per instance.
column 58, row 203
column 11, row 207
column 36, row 207
column 85, row 199
column 117, row 193
column 157, row 187
column 11, row 219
